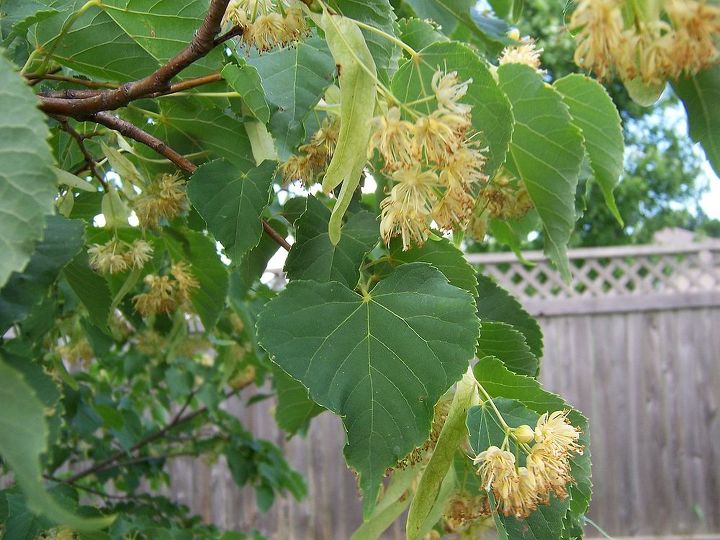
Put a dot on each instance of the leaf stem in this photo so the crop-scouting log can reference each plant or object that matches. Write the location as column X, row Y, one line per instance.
column 392, row 39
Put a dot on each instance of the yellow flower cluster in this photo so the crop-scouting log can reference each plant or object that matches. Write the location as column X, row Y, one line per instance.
column 116, row 256
column 166, row 293
column 432, row 162
column 163, row 199
column 464, row 510
column 267, row 23
column 652, row 49
column 313, row 157
column 519, row 490
column 505, row 198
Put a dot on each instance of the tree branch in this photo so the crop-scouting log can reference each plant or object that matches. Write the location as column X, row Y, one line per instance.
column 202, row 43
column 133, row 132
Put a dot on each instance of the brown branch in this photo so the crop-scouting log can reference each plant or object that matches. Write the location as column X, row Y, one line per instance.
column 177, row 87
column 133, row 132
column 90, row 163
column 202, row 43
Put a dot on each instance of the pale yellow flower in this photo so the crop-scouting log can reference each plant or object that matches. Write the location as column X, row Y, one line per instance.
column 449, row 91
column 439, row 135
column 697, row 26
column 555, row 431
column 599, row 27
column 523, row 498
column 392, row 136
column 550, row 471
column 525, row 53
column 163, row 199
column 139, row 253
column 160, row 298
column 267, row 31
column 108, row 258
column 497, row 470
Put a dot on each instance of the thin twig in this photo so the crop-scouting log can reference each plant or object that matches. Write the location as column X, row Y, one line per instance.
column 90, row 162
column 74, row 80
column 133, row 132
column 176, row 422
column 202, row 43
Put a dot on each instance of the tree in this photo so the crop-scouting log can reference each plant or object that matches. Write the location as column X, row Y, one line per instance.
column 146, row 152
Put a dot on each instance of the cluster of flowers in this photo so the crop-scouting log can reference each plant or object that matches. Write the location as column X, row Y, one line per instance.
column 163, row 199
column 682, row 41
column 518, row 490
column 166, row 293
column 267, row 23
column 116, row 256
column 525, row 52
column 313, row 158
column 433, row 163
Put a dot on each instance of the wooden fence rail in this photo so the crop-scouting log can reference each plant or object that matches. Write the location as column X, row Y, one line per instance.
column 633, row 342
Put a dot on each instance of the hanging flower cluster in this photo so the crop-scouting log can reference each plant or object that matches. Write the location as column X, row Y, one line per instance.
column 163, row 199
column 313, row 158
column 166, row 293
column 267, row 23
column 432, row 162
column 116, row 256
column 463, row 510
column 519, row 490
column 681, row 39
column 505, row 198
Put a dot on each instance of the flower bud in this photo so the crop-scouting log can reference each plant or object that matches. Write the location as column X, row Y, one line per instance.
column 524, row 433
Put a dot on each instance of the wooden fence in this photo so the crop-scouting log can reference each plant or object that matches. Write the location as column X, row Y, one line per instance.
column 633, row 342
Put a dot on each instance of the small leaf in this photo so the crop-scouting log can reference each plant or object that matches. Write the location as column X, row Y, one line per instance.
column 443, row 256
column 380, row 361
column 496, row 304
column 245, row 80
column 122, row 166
column 91, row 289
column 231, row 200
column 545, row 153
column 594, row 113
column 294, row 408
column 65, row 178
column 508, row 345
column 700, row 95
column 23, row 415
column 447, row 13
column 419, row 33
column 27, row 178
column 313, row 255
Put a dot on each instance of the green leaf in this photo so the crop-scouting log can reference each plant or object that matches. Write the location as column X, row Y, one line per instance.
column 295, row 78
column 452, row 436
column 212, row 275
column 545, row 523
column 595, row 114
column 231, row 200
column 700, row 95
column 27, row 179
column 95, row 44
column 91, row 288
column 164, row 28
column 377, row 13
column 23, row 415
column 447, row 13
column 444, row 256
column 314, row 257
column 499, row 381
column 491, row 113
column 545, row 153
column 245, row 80
column 419, row 33
column 485, row 430
column 62, row 239
column 507, row 344
column 380, row 361
column 496, row 304
column 195, row 124
column 294, row 408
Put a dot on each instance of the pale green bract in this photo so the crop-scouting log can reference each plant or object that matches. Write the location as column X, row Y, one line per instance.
column 358, row 76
